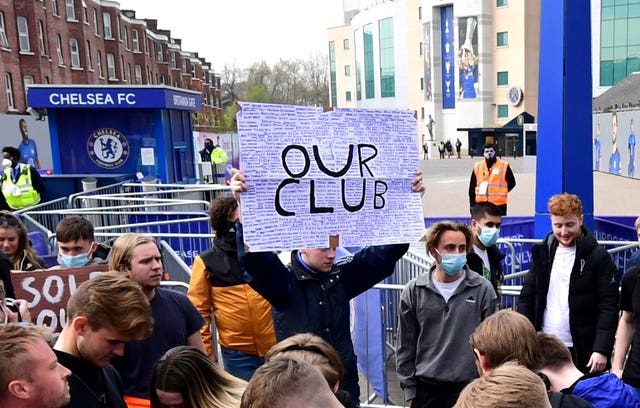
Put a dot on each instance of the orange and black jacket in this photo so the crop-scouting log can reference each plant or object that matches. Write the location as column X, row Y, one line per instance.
column 242, row 317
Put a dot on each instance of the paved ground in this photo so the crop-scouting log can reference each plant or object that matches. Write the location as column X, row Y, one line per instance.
column 447, row 183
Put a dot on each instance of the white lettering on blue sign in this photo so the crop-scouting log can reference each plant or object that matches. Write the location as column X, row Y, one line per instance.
column 186, row 101
column 97, row 99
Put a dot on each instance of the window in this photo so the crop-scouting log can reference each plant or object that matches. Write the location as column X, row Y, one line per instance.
column 122, row 68
column 419, row 13
column 387, row 62
column 193, row 71
column 503, row 78
column 89, row 57
column 59, row 50
column 501, row 3
column 111, row 66
column 148, row 76
column 85, row 12
column 54, row 8
column 9, row 89
column 96, row 30
column 184, row 65
column 503, row 111
column 159, row 48
column 369, row 79
column 41, row 41
column 162, row 79
column 128, row 73
column 23, row 34
column 347, row 70
column 3, row 32
column 106, row 19
column 125, row 37
column 75, row 53
column 118, row 28
column 27, row 80
column 173, row 60
column 71, row 11
column 420, row 48
column 99, row 64
column 422, row 84
column 135, row 40
column 503, row 39
column 138, row 70
column 146, row 45
column 347, row 96
column 345, row 44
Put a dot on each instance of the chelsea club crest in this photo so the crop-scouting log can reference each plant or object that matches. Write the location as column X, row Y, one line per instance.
column 108, row 148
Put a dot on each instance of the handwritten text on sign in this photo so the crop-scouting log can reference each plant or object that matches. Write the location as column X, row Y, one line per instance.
column 314, row 174
column 47, row 291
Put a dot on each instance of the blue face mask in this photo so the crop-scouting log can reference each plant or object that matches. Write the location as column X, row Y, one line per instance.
column 451, row 264
column 73, row 261
column 489, row 236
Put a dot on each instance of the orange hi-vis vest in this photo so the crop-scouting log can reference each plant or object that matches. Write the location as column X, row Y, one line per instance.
column 497, row 188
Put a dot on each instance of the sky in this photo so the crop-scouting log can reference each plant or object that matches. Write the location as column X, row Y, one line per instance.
column 244, row 31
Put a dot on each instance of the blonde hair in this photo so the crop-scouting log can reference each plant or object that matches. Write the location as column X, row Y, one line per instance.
column 201, row 383
column 509, row 385
column 123, row 247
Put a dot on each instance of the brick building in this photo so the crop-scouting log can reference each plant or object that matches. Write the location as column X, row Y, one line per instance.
column 95, row 42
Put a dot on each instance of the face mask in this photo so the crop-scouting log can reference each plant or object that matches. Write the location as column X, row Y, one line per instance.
column 451, row 264
column 489, row 236
column 489, row 155
column 6, row 163
column 73, row 261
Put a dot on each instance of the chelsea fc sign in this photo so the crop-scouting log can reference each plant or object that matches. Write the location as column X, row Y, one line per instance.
column 108, row 148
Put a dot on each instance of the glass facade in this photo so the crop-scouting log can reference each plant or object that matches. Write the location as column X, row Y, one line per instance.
column 619, row 40
column 357, row 45
column 387, row 67
column 369, row 80
column 332, row 67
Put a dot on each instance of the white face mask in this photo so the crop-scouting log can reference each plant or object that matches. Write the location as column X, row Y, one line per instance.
column 6, row 163
column 489, row 154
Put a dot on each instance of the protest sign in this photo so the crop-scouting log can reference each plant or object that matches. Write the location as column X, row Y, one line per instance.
column 47, row 291
column 337, row 178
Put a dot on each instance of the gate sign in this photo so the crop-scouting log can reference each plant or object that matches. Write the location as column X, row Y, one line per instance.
column 47, row 291
column 318, row 179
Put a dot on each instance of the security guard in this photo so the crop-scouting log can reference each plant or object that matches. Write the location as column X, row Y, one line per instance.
column 491, row 180
column 21, row 183
column 218, row 160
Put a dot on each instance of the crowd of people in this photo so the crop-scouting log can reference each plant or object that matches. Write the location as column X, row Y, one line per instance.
column 284, row 330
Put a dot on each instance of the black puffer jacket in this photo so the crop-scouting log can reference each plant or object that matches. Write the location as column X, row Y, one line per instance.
column 593, row 295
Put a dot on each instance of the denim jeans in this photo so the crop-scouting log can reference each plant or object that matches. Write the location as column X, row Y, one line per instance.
column 240, row 364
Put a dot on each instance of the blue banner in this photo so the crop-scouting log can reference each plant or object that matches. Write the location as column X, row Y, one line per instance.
column 109, row 97
column 448, row 58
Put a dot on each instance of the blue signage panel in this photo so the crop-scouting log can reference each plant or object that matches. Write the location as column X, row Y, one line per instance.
column 113, row 97
column 448, row 58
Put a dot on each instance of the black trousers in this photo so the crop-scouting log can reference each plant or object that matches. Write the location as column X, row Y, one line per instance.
column 437, row 394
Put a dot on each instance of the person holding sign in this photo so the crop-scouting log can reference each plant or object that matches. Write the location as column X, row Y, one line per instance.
column 30, row 374
column 312, row 293
column 491, row 180
column 176, row 322
column 77, row 245
column 103, row 314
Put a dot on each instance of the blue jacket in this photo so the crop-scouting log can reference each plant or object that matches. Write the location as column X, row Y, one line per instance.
column 606, row 391
column 306, row 301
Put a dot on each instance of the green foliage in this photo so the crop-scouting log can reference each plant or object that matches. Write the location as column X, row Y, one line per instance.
column 257, row 93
